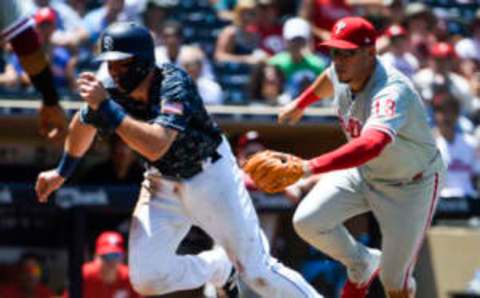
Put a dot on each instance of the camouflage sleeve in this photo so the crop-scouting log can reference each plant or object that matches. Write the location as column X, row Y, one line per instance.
column 175, row 96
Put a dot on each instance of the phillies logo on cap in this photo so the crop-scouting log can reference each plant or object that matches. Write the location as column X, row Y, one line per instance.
column 340, row 27
column 112, row 239
column 350, row 33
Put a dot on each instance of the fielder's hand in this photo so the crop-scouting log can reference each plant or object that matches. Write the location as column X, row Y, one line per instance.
column 295, row 192
column 47, row 182
column 274, row 171
column 91, row 89
column 53, row 122
column 290, row 113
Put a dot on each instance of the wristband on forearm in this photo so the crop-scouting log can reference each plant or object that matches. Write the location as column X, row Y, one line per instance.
column 88, row 115
column 307, row 97
column 67, row 165
column 112, row 112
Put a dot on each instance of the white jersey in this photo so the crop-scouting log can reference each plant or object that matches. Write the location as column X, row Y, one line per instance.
column 388, row 103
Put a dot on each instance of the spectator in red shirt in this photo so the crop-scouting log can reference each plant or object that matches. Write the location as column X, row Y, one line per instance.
column 269, row 27
column 28, row 284
column 322, row 14
column 106, row 276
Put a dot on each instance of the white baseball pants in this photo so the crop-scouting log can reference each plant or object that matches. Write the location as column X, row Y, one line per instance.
column 217, row 201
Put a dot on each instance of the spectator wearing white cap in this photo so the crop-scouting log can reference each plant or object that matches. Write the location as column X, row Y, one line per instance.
column 298, row 64
column 468, row 51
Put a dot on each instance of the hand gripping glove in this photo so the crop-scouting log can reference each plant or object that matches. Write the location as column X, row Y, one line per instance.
column 274, row 171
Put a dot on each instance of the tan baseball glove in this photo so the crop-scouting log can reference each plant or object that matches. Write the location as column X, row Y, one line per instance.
column 274, row 171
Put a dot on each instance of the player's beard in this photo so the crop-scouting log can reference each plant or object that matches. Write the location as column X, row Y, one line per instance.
column 136, row 73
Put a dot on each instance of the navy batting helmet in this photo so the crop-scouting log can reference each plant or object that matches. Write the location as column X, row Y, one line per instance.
column 124, row 40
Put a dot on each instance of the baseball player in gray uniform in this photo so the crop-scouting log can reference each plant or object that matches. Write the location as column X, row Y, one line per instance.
column 13, row 18
column 191, row 177
column 17, row 27
column 390, row 165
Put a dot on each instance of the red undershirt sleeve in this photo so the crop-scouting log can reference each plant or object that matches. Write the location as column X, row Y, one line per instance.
column 355, row 153
column 307, row 97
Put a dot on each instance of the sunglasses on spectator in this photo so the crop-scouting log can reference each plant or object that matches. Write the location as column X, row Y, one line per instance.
column 111, row 257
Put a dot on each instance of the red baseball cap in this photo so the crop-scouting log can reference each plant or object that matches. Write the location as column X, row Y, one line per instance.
column 395, row 31
column 351, row 33
column 109, row 242
column 45, row 15
column 442, row 50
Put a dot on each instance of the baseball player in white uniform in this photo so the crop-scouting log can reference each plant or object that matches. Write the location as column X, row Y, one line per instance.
column 192, row 176
column 17, row 27
column 390, row 165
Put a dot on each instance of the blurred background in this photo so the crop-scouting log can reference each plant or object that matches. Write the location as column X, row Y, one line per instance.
column 247, row 61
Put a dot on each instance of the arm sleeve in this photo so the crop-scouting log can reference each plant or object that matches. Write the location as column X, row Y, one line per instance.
column 355, row 153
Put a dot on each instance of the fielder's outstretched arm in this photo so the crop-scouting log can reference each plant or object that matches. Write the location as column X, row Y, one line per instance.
column 320, row 89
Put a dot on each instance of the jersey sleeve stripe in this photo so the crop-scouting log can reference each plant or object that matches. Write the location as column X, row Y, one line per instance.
column 16, row 28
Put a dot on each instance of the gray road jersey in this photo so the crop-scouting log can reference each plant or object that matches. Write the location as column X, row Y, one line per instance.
column 13, row 17
column 388, row 103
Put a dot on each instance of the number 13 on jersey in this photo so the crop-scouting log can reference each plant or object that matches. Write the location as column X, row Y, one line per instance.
column 384, row 107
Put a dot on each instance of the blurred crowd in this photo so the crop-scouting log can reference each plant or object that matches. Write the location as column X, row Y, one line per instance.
column 262, row 51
